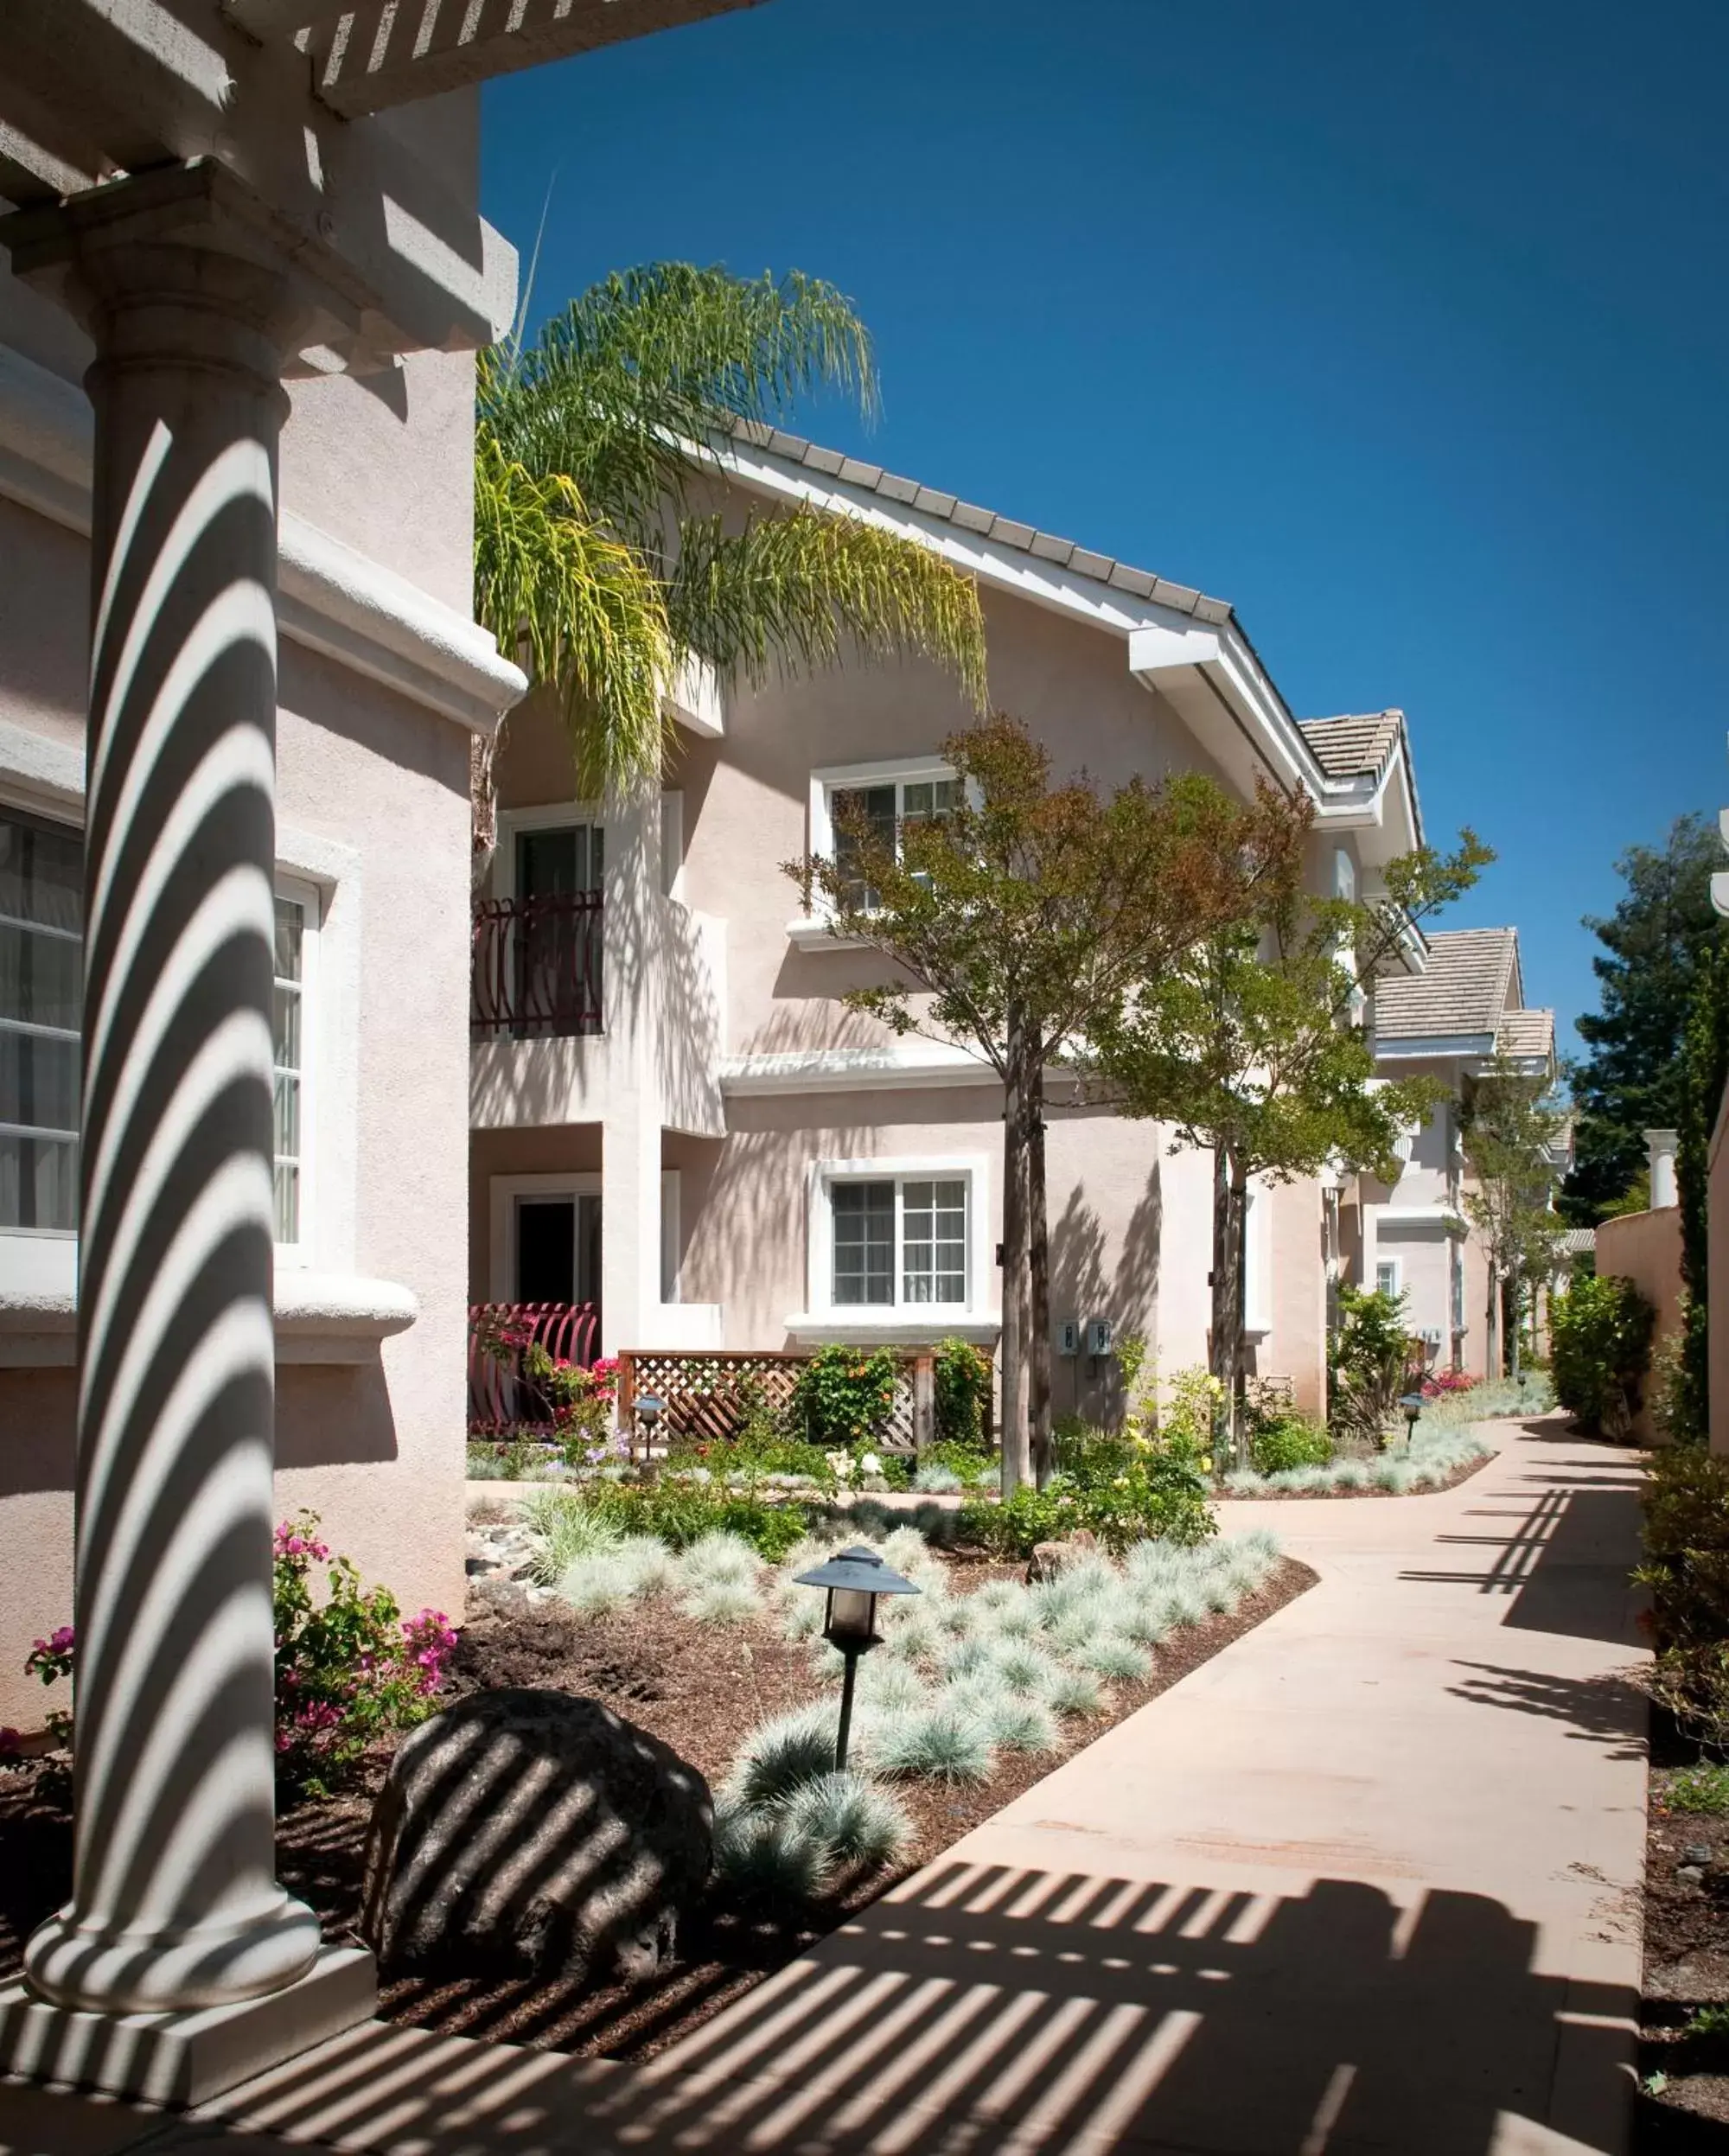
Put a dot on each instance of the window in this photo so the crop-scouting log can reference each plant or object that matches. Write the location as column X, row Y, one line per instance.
column 41, row 950
column 41, row 954
column 879, row 812
column 288, row 1058
column 1458, row 1290
column 906, row 1236
column 1386, row 1277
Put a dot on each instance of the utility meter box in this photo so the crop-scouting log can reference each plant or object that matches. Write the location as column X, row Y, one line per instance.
column 1099, row 1335
column 1069, row 1336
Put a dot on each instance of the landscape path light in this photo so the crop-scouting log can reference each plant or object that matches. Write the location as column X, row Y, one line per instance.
column 853, row 1579
column 1412, row 1403
column 648, row 1410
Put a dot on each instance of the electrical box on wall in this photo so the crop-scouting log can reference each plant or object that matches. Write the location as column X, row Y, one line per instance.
column 1099, row 1335
column 1069, row 1336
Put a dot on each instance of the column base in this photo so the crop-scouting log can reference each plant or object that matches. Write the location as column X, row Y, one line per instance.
column 185, row 2057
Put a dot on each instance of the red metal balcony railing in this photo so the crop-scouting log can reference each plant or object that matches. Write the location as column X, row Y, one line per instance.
column 537, row 966
column 501, row 1399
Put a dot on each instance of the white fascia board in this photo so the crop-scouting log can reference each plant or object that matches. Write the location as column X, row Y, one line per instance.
column 854, row 1327
column 1461, row 1044
column 1423, row 1216
column 895, row 1065
column 331, row 598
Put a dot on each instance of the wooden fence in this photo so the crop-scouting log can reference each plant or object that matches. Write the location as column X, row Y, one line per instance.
column 706, row 1395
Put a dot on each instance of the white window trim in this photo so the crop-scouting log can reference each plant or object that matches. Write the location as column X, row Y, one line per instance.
column 310, row 899
column 1396, row 1267
column 548, row 816
column 812, row 930
column 974, row 1318
column 502, row 1192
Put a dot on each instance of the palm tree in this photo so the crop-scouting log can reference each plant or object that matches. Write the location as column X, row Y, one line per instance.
column 598, row 551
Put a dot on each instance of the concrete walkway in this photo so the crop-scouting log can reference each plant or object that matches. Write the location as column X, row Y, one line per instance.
column 1364, row 1882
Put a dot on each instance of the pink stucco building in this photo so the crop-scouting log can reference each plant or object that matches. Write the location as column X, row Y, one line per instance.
column 691, row 1131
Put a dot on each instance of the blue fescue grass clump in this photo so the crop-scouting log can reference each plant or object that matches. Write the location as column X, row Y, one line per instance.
column 1444, row 1442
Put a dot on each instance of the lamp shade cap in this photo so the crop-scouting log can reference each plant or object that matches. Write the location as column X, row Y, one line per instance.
column 861, row 1569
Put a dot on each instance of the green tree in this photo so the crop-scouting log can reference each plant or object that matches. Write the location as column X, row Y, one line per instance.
column 1629, row 1080
column 600, row 553
column 1254, row 1048
column 1016, row 919
column 1704, row 1074
column 1511, row 1130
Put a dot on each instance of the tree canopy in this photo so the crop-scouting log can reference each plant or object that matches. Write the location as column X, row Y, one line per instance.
column 600, row 556
column 1629, row 1080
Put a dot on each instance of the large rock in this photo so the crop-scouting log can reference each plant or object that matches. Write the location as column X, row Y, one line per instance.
column 1049, row 1560
column 530, row 1832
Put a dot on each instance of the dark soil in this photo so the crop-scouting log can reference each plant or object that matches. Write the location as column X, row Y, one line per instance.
column 1683, row 2103
column 698, row 1687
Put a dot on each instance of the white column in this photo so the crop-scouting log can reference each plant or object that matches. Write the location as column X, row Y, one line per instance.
column 1660, row 1152
column 174, row 1902
column 630, row 1136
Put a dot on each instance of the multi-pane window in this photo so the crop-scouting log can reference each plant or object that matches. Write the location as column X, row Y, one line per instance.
column 41, row 948
column 901, row 1241
column 288, row 1057
column 864, row 816
column 1386, row 1277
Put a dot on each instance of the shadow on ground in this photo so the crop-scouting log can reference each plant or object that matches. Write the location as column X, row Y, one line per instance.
column 992, row 2008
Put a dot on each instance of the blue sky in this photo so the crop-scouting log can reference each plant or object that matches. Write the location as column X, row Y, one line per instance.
column 1404, row 327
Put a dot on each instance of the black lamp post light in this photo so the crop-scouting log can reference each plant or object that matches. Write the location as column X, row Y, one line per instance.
column 854, row 1579
column 1413, row 1403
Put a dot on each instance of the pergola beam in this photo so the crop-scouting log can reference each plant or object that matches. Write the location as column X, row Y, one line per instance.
column 396, row 52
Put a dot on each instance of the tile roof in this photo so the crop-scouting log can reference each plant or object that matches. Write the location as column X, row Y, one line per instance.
column 1355, row 744
column 1526, row 1033
column 1463, row 989
column 908, row 493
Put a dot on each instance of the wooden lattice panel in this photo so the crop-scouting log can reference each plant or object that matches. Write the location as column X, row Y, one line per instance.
column 706, row 1395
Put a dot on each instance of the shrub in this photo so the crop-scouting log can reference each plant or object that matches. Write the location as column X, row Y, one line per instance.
column 1686, row 1548
column 843, row 1396
column 766, row 1859
column 1367, row 1357
column 962, row 1390
column 722, row 1602
column 780, row 1754
column 1600, row 1332
column 940, row 1744
column 677, row 1510
column 848, row 1820
column 1126, row 1490
column 348, row 1669
column 1700, row 1789
column 1288, row 1440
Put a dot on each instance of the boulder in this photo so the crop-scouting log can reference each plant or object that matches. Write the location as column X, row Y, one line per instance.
column 1050, row 1560
column 532, row 1833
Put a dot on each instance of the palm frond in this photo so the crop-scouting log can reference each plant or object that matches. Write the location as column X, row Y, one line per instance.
column 590, row 610
column 616, row 390
column 787, row 589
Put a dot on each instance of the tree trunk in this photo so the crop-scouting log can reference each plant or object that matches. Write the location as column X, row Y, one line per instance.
column 1516, row 1303
column 1017, row 1456
column 1230, row 1191
column 1038, row 1273
column 1492, row 1344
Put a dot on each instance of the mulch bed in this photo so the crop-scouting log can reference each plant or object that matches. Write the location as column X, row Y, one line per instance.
column 698, row 1686
column 1682, row 2107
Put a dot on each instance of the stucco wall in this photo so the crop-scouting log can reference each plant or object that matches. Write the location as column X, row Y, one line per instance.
column 377, row 785
column 1645, row 1248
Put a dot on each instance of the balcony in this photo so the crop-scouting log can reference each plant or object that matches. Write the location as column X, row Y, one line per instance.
column 537, row 969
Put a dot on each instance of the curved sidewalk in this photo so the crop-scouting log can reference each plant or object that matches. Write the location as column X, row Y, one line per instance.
column 1364, row 1882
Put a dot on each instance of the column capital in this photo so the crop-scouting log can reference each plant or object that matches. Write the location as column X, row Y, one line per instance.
column 193, row 241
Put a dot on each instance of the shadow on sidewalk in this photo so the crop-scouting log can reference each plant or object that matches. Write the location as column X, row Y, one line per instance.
column 990, row 2008
column 1561, row 1557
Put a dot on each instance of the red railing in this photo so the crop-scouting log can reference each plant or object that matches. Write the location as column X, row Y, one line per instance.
column 537, row 966
column 500, row 1398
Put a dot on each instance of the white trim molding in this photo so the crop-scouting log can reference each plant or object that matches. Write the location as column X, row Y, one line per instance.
column 320, row 1317
column 912, row 1063
column 502, row 1192
column 1419, row 1217
column 330, row 597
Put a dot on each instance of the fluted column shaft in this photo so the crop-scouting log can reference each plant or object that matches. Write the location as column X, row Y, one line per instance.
column 174, row 1902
